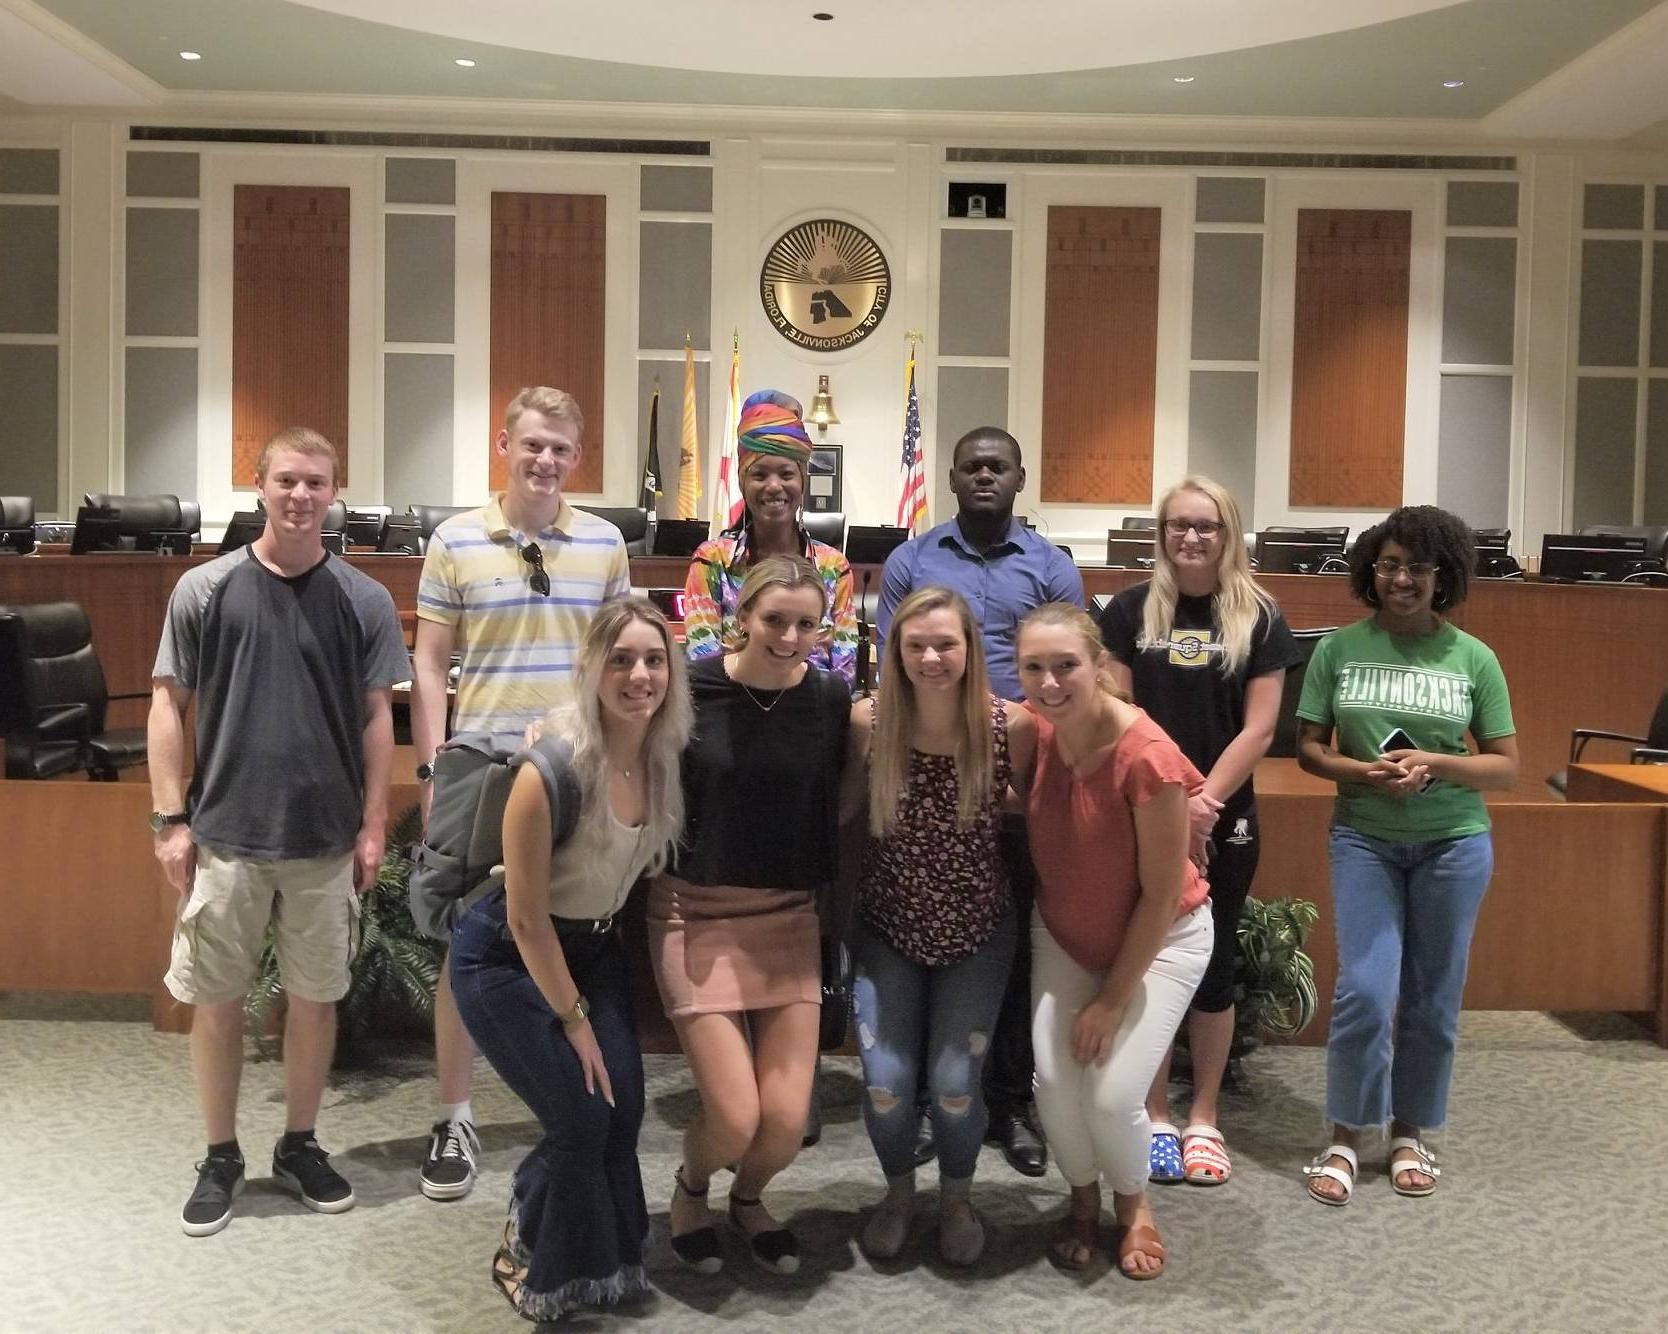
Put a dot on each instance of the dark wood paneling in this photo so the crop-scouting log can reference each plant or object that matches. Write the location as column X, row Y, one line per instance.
column 1349, row 357
column 1100, row 354
column 290, row 265
column 549, row 304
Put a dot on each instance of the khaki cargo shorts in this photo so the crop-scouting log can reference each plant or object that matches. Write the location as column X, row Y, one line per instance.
column 222, row 924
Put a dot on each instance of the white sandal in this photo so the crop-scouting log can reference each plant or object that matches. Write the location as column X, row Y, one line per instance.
column 1320, row 1167
column 1410, row 1154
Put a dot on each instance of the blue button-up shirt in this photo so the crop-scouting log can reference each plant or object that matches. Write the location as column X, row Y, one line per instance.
column 1016, row 575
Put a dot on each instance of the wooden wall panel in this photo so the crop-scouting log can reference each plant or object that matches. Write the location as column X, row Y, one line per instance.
column 1100, row 354
column 289, row 318
column 549, row 301
column 1349, row 357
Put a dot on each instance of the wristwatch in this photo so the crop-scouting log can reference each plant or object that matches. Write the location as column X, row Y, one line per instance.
column 159, row 821
column 579, row 1014
column 425, row 772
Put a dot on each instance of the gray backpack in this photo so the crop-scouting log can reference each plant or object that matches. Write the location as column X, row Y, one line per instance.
column 461, row 857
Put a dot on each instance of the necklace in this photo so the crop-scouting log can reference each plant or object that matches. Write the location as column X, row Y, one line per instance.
column 763, row 708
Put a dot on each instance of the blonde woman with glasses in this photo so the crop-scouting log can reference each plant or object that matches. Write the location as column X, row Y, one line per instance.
column 1204, row 650
column 935, row 930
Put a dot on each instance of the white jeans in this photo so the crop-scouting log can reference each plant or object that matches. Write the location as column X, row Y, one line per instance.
column 1095, row 1116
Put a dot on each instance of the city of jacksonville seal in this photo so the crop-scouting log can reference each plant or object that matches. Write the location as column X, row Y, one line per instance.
column 825, row 285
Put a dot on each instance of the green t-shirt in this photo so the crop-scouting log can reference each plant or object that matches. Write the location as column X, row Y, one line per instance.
column 1365, row 683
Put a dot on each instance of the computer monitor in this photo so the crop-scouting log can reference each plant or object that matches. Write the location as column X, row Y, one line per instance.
column 669, row 601
column 871, row 544
column 164, row 541
column 244, row 528
column 402, row 534
column 1130, row 549
column 364, row 526
column 1300, row 551
column 18, row 540
column 679, row 537
column 1597, row 558
column 334, row 541
column 97, row 528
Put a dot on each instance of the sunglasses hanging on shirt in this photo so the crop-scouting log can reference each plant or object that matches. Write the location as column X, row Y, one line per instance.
column 533, row 554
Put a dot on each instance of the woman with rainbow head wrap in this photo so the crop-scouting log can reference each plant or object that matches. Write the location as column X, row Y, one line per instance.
column 773, row 455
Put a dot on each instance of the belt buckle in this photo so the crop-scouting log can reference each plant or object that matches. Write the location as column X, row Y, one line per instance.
column 602, row 925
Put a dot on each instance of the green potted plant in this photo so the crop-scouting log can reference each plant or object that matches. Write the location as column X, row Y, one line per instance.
column 395, row 971
column 1274, row 990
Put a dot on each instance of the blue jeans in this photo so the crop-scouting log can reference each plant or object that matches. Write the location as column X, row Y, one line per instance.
column 904, row 1008
column 577, row 1215
column 1404, row 915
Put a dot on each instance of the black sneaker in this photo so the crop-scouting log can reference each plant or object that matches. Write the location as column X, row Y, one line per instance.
column 448, row 1173
column 219, row 1182
column 307, row 1171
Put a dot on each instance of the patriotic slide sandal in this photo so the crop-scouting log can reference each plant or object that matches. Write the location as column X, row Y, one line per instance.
column 1322, row 1167
column 1205, row 1159
column 1164, row 1156
column 1408, row 1154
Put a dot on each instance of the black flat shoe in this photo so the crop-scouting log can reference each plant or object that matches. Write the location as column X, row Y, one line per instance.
column 777, row 1249
column 1020, row 1144
column 698, row 1250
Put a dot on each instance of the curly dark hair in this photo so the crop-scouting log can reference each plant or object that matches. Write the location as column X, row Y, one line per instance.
column 1425, row 533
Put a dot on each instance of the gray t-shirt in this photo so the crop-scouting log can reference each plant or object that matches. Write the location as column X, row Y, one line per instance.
column 280, row 668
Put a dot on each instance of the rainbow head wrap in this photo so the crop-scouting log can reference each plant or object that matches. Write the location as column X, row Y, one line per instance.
column 772, row 423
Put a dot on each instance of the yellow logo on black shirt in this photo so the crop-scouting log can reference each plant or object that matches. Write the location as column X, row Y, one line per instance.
column 1192, row 648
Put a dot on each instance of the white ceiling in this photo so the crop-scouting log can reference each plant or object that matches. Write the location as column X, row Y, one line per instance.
column 882, row 38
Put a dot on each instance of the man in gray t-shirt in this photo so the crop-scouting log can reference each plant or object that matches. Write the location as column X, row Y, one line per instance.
column 290, row 654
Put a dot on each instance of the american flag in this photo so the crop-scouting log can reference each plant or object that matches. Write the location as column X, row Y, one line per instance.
column 912, row 497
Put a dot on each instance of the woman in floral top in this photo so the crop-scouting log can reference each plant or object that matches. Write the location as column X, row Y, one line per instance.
column 936, row 924
column 773, row 453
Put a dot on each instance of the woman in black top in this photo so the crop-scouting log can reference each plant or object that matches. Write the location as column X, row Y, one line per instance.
column 1204, row 650
column 733, row 926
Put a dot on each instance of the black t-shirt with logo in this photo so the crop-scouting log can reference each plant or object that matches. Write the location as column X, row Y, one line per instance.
column 1180, row 683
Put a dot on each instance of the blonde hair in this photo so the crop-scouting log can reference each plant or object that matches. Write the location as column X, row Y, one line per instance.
column 1069, row 616
column 298, row 440
column 895, row 719
column 789, row 572
column 581, row 721
column 557, row 404
column 1238, row 600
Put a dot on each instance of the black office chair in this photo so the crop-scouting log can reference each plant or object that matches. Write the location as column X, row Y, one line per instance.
column 1652, row 748
column 191, row 518
column 826, row 526
column 430, row 517
column 17, row 511
column 53, row 697
column 1139, row 523
column 138, row 518
column 633, row 523
column 1284, row 746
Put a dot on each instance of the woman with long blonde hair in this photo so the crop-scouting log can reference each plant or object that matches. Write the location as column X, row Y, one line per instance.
column 1204, row 650
column 935, row 930
column 1121, row 933
column 541, row 977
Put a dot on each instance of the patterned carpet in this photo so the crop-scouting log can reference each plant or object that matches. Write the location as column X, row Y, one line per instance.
column 1550, row 1215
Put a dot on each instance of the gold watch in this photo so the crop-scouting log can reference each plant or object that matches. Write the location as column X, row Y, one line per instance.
column 579, row 1014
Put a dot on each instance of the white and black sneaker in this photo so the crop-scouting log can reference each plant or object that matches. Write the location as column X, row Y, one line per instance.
column 448, row 1173
column 306, row 1170
column 219, row 1182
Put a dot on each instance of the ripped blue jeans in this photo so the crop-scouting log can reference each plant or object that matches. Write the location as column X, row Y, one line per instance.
column 936, row 1020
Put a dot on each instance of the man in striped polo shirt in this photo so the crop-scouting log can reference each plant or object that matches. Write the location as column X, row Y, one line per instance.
column 510, row 587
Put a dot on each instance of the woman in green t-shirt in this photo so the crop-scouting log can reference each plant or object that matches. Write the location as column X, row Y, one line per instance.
column 1386, row 706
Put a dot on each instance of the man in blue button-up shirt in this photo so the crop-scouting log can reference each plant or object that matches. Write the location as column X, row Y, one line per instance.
column 1004, row 570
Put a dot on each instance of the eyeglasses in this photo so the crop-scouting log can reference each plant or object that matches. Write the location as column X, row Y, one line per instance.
column 533, row 554
column 1204, row 527
column 1417, row 570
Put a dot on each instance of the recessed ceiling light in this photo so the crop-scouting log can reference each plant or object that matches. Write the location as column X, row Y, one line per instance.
column 464, row 62
column 1182, row 78
column 191, row 55
column 1453, row 83
column 822, row 17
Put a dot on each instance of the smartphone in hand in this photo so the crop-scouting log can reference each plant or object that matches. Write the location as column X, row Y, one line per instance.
column 1400, row 740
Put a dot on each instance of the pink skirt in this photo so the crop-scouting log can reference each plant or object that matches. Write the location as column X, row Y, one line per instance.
column 721, row 949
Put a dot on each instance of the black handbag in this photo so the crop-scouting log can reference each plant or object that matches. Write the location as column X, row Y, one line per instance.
column 836, row 994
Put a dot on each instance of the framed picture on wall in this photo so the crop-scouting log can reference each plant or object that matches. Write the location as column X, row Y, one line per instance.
column 823, row 486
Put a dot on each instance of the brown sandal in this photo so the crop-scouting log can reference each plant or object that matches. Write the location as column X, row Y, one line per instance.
column 1142, row 1239
column 1070, row 1233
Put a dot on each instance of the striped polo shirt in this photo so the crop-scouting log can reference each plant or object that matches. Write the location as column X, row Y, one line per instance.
column 517, row 649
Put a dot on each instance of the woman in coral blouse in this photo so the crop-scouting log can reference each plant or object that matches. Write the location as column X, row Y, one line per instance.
column 1121, row 934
